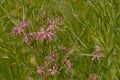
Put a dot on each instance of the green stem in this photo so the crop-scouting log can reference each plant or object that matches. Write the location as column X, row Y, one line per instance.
column 10, row 72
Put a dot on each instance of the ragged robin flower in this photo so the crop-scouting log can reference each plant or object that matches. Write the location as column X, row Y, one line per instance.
column 17, row 30
column 40, row 69
column 29, row 36
column 53, row 71
column 68, row 63
column 52, row 23
column 45, row 35
column 23, row 24
column 97, row 55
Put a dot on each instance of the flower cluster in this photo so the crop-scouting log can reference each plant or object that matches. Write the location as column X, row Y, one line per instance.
column 44, row 69
column 47, row 33
column 16, row 30
column 42, row 35
column 51, row 64
column 51, row 58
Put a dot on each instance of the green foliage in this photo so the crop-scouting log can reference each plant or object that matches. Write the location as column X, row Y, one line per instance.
column 86, row 24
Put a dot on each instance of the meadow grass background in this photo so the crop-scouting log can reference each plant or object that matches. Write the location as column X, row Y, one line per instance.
column 87, row 23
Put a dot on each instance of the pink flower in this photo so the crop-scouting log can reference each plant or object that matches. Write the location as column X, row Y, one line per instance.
column 51, row 57
column 17, row 30
column 40, row 69
column 29, row 37
column 53, row 23
column 50, row 35
column 23, row 24
column 68, row 63
column 53, row 71
column 52, row 27
column 44, row 35
column 41, row 35
column 26, row 38
column 97, row 56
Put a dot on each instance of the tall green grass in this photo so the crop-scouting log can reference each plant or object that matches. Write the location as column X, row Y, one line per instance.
column 86, row 24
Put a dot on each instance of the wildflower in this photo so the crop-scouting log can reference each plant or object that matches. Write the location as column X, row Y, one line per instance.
column 40, row 69
column 51, row 57
column 97, row 55
column 92, row 77
column 23, row 24
column 26, row 38
column 68, row 63
column 29, row 37
column 32, row 61
column 53, row 23
column 44, row 35
column 53, row 71
column 17, row 30
column 52, row 27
